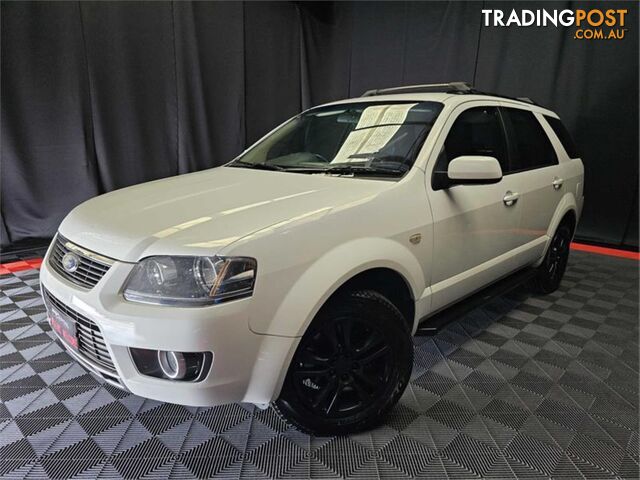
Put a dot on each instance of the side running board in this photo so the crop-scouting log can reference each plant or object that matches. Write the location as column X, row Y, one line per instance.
column 431, row 325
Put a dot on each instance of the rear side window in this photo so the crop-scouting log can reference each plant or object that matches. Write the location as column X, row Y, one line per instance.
column 529, row 145
column 564, row 136
column 477, row 131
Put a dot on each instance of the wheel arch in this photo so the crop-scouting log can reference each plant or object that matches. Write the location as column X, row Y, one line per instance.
column 567, row 208
column 359, row 262
column 320, row 281
column 387, row 282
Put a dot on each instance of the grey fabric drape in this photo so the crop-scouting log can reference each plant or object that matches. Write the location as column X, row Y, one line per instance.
column 98, row 96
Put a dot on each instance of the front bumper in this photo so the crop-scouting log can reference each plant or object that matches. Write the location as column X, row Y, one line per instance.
column 235, row 374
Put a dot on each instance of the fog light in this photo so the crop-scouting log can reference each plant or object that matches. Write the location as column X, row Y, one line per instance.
column 172, row 364
column 185, row 366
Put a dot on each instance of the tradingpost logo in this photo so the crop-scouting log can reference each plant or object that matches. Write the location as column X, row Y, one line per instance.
column 593, row 24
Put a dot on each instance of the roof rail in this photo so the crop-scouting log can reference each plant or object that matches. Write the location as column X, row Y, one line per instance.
column 526, row 100
column 451, row 87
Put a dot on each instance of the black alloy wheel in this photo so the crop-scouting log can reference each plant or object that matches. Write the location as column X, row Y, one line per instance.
column 350, row 368
column 552, row 270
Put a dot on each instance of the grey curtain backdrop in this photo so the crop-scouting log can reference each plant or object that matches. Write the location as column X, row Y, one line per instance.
column 101, row 95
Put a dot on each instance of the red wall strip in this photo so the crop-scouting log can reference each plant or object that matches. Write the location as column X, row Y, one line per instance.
column 34, row 263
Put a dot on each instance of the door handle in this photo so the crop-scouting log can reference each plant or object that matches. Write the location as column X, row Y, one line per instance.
column 557, row 183
column 510, row 198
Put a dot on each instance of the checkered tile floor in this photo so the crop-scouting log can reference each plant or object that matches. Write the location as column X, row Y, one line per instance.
column 530, row 387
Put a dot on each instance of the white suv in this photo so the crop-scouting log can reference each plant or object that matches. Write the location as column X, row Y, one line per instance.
column 298, row 273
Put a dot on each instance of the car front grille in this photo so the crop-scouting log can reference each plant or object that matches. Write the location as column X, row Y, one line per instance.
column 91, row 345
column 91, row 267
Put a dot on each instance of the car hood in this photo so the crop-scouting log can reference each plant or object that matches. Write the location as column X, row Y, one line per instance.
column 200, row 213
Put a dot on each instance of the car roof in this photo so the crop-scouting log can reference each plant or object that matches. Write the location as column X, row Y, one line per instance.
column 447, row 98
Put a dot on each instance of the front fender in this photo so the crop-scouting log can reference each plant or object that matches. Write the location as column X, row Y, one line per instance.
column 310, row 292
column 330, row 271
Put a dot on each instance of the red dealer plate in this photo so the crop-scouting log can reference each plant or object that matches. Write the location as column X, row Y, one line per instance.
column 64, row 327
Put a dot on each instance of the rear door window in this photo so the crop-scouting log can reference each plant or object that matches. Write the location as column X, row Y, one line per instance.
column 564, row 136
column 529, row 145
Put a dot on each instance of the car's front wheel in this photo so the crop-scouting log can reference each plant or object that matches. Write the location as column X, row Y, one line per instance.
column 350, row 368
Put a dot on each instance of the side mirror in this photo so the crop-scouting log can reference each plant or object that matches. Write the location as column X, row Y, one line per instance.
column 474, row 169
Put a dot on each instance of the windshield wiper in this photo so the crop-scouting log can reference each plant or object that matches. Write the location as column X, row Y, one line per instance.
column 353, row 169
column 365, row 170
column 257, row 166
column 343, row 169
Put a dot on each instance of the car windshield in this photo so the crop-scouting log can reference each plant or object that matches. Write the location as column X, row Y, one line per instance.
column 374, row 139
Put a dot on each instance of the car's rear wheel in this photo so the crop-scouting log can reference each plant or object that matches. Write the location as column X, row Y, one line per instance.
column 350, row 368
column 551, row 271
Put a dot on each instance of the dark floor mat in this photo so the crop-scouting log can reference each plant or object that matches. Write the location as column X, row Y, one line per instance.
column 528, row 386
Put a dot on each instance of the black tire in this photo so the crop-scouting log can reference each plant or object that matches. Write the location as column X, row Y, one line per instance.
column 551, row 271
column 350, row 368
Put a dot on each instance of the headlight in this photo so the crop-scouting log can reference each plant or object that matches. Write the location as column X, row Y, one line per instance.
column 190, row 281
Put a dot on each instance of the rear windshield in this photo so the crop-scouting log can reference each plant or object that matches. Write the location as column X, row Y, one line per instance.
column 564, row 136
column 373, row 136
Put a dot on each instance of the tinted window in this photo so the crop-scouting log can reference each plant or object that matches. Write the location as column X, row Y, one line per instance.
column 477, row 131
column 564, row 137
column 529, row 145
